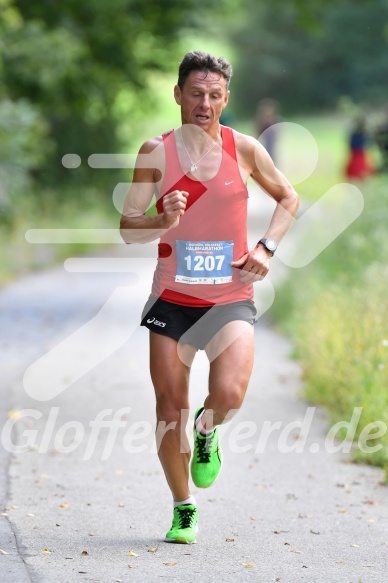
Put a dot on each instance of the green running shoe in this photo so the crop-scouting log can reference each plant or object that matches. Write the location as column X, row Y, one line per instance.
column 207, row 457
column 184, row 525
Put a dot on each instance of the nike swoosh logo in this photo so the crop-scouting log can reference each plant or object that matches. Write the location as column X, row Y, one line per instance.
column 227, row 183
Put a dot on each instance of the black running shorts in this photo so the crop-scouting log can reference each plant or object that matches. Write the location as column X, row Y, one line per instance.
column 195, row 326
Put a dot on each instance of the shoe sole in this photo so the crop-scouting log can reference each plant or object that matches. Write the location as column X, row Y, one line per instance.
column 180, row 540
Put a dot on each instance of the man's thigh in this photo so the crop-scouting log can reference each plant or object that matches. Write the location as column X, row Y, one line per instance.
column 169, row 373
column 234, row 341
column 231, row 355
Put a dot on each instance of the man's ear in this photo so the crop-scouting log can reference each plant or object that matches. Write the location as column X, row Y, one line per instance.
column 226, row 100
column 177, row 94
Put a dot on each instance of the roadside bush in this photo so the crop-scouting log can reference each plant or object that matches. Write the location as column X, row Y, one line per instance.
column 336, row 311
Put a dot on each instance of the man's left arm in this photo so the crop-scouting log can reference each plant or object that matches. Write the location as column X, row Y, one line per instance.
column 255, row 160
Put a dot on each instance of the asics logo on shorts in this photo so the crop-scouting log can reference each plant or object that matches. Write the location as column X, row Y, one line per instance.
column 156, row 322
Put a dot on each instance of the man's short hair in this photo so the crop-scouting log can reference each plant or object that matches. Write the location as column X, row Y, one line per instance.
column 200, row 61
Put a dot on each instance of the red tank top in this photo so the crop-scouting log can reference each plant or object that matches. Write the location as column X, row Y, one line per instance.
column 194, row 258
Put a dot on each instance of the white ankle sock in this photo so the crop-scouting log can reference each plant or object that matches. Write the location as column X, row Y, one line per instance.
column 189, row 500
column 200, row 428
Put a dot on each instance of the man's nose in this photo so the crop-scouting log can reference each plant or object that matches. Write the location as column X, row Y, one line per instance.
column 205, row 101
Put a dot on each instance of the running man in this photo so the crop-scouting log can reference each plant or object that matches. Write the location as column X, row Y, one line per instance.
column 202, row 292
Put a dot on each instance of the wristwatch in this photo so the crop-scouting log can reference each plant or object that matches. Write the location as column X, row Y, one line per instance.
column 269, row 244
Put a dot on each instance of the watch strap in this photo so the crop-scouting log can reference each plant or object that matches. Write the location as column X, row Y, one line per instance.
column 264, row 241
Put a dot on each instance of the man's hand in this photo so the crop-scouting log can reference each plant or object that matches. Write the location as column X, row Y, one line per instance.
column 174, row 206
column 254, row 265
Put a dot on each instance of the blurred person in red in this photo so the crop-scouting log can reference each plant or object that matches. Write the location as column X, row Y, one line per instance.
column 358, row 166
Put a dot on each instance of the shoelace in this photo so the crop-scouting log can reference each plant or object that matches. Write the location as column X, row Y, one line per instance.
column 204, row 449
column 185, row 517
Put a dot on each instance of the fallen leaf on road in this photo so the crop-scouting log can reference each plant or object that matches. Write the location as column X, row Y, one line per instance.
column 172, row 564
column 314, row 531
column 280, row 531
column 46, row 551
column 132, row 554
column 31, row 515
column 84, row 553
column 121, row 505
column 295, row 551
column 247, row 565
column 367, row 565
column 132, row 566
column 15, row 414
column 355, row 546
column 340, row 561
column 371, row 502
column 13, row 507
column 64, row 505
column 291, row 496
column 229, row 539
column 342, row 510
column 152, row 550
column 3, row 552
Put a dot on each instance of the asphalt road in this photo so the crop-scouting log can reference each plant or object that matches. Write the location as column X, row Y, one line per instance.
column 84, row 498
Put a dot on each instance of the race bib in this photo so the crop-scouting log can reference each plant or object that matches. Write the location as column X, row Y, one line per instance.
column 204, row 262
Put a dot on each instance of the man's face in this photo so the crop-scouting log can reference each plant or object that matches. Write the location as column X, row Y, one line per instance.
column 202, row 98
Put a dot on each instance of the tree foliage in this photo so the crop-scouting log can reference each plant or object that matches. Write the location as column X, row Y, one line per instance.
column 308, row 58
column 69, row 61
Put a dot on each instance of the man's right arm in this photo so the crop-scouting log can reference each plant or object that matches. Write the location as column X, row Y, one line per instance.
column 135, row 225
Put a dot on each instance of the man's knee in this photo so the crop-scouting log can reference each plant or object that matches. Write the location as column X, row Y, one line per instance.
column 171, row 410
column 228, row 401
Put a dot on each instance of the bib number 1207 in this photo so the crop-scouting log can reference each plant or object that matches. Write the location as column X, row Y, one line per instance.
column 204, row 262
column 207, row 263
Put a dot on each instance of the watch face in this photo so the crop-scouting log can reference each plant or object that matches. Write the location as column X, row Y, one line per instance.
column 270, row 244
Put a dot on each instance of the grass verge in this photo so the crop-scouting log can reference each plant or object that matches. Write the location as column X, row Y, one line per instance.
column 336, row 310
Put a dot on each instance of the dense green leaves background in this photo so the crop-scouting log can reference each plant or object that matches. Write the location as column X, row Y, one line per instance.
column 308, row 56
column 73, row 73
column 69, row 61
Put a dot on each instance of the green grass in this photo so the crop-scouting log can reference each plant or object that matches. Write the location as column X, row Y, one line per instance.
column 341, row 340
column 336, row 308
